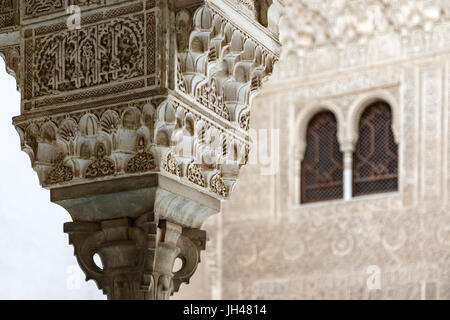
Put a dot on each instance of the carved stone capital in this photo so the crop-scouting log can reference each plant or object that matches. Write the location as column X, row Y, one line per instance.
column 137, row 255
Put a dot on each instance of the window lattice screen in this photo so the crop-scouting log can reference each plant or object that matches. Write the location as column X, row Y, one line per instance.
column 321, row 171
column 375, row 163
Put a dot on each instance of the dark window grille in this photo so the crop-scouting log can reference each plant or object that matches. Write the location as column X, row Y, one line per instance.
column 375, row 162
column 321, row 171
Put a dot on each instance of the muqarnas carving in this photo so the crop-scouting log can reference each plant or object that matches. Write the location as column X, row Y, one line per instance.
column 133, row 138
column 219, row 66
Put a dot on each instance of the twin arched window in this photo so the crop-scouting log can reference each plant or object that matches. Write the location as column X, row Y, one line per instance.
column 375, row 159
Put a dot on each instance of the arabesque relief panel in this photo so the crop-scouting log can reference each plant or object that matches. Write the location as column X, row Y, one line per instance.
column 107, row 55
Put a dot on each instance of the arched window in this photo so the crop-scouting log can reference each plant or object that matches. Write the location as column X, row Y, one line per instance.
column 321, row 171
column 375, row 163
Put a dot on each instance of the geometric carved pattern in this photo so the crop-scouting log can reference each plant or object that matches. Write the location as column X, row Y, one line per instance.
column 376, row 156
column 321, row 170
